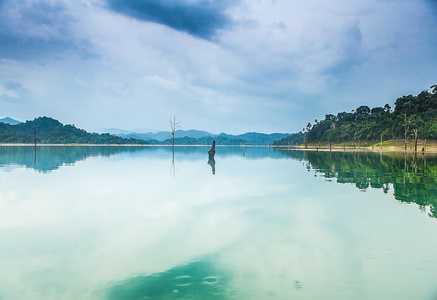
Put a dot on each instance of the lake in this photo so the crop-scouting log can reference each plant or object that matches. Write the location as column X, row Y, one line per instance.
column 256, row 223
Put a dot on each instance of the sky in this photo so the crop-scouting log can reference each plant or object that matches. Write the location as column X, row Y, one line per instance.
column 231, row 66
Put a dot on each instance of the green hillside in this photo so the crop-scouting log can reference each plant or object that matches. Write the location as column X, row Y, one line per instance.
column 291, row 140
column 51, row 131
column 413, row 117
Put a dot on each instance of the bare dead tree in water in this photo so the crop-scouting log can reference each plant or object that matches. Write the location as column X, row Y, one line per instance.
column 174, row 126
column 211, row 160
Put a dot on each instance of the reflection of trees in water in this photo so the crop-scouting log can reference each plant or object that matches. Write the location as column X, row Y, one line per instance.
column 49, row 158
column 413, row 178
column 196, row 280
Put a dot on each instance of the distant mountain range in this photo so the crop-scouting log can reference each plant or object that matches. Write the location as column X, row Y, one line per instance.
column 252, row 138
column 51, row 131
column 46, row 130
column 164, row 135
column 9, row 121
column 118, row 131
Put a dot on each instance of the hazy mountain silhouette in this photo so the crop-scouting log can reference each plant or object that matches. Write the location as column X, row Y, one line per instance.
column 252, row 138
column 9, row 121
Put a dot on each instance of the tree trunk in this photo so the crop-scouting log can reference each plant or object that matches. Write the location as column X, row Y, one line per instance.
column 415, row 140
column 211, row 152
column 406, row 131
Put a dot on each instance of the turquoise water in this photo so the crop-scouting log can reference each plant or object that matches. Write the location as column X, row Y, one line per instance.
column 257, row 223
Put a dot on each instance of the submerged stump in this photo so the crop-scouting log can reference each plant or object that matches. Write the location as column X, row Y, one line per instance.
column 211, row 152
column 211, row 160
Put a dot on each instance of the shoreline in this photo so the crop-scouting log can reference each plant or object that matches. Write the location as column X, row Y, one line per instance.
column 386, row 146
column 120, row 145
column 336, row 148
column 322, row 148
column 360, row 149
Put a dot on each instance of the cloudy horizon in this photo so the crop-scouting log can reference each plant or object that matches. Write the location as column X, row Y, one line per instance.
column 220, row 66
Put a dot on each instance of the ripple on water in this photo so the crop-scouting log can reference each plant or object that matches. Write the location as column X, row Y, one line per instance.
column 297, row 284
column 211, row 280
column 183, row 280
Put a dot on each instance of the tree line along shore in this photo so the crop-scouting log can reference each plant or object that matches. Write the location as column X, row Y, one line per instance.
column 410, row 125
column 48, row 131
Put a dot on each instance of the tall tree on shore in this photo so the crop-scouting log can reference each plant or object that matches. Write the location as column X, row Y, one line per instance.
column 406, row 128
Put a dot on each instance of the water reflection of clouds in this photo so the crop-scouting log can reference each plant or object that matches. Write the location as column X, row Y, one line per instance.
column 121, row 211
column 120, row 219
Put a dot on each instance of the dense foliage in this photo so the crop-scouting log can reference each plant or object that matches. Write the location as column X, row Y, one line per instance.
column 196, row 137
column 294, row 139
column 256, row 138
column 51, row 131
column 412, row 114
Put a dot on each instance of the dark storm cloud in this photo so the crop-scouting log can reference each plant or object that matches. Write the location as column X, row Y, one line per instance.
column 201, row 19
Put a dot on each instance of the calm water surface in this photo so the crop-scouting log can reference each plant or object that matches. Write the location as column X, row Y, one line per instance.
column 258, row 223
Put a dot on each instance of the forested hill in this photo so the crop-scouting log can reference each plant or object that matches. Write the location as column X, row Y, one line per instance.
column 291, row 140
column 193, row 137
column 51, row 131
column 411, row 115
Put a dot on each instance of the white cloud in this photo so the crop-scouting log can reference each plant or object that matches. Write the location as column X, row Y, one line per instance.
column 260, row 74
column 157, row 80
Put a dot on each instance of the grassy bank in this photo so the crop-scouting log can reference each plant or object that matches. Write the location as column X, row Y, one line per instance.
column 394, row 145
